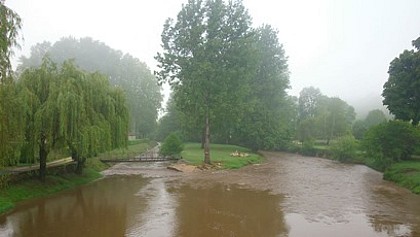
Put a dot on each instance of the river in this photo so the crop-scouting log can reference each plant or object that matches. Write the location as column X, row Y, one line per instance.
column 287, row 195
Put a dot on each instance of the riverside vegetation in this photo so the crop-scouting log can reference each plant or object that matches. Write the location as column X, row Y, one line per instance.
column 229, row 83
column 57, row 180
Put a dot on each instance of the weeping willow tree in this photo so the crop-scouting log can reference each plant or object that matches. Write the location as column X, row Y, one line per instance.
column 11, row 124
column 10, row 24
column 65, row 107
column 11, row 119
column 39, row 92
column 93, row 115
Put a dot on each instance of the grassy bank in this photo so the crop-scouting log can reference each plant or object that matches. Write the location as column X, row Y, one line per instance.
column 55, row 182
column 220, row 154
column 405, row 174
column 33, row 188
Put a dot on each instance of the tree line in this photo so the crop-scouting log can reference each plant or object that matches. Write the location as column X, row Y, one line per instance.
column 76, row 97
column 229, row 82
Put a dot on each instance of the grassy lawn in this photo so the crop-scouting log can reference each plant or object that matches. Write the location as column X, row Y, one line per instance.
column 33, row 188
column 406, row 174
column 220, row 154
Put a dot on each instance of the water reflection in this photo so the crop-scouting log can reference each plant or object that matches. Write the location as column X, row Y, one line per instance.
column 223, row 210
column 307, row 197
column 100, row 209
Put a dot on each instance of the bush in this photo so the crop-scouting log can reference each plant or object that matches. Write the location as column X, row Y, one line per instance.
column 391, row 142
column 172, row 146
column 345, row 149
column 308, row 148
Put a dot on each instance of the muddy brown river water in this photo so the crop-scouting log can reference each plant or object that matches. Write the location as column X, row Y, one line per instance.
column 287, row 195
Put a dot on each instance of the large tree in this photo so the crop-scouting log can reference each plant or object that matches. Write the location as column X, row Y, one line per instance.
column 207, row 58
column 11, row 109
column 266, row 121
column 93, row 115
column 40, row 90
column 10, row 24
column 67, row 108
column 402, row 90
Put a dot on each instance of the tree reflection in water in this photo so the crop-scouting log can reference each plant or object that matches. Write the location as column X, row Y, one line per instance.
column 223, row 210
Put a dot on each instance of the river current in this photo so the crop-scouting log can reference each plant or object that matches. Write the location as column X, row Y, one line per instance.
column 287, row 195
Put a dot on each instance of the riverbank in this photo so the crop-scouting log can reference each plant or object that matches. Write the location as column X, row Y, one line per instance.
column 30, row 187
column 34, row 188
column 404, row 173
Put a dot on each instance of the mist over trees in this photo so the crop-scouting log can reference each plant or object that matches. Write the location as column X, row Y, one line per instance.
column 134, row 77
column 322, row 117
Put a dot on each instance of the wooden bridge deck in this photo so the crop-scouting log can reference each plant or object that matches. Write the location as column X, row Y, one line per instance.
column 139, row 159
column 151, row 155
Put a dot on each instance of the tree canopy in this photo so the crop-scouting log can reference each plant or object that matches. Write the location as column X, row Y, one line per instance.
column 402, row 90
column 226, row 75
column 322, row 117
column 68, row 108
column 10, row 25
column 129, row 73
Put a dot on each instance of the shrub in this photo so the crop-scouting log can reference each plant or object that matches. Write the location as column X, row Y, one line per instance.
column 308, row 148
column 345, row 148
column 172, row 146
column 391, row 142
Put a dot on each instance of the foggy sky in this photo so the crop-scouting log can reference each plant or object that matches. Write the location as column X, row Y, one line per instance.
column 343, row 47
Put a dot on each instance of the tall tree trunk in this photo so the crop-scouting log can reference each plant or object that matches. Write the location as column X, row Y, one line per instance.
column 207, row 141
column 203, row 137
column 42, row 160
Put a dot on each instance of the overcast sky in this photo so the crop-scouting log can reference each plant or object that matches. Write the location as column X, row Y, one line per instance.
column 343, row 47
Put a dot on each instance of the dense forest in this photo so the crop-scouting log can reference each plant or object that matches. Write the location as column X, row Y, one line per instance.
column 229, row 82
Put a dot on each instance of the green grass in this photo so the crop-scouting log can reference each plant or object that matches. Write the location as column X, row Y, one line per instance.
column 405, row 174
column 33, row 188
column 219, row 154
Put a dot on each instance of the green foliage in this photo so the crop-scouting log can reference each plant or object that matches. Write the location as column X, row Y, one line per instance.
column 308, row 102
column 10, row 25
column 172, row 146
column 373, row 118
column 12, row 124
column 359, row 129
column 141, row 92
column 405, row 174
column 267, row 120
column 72, row 109
column 221, row 154
column 226, row 76
column 391, row 142
column 170, row 122
column 322, row 117
column 208, row 59
column 345, row 149
column 402, row 88
column 308, row 147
